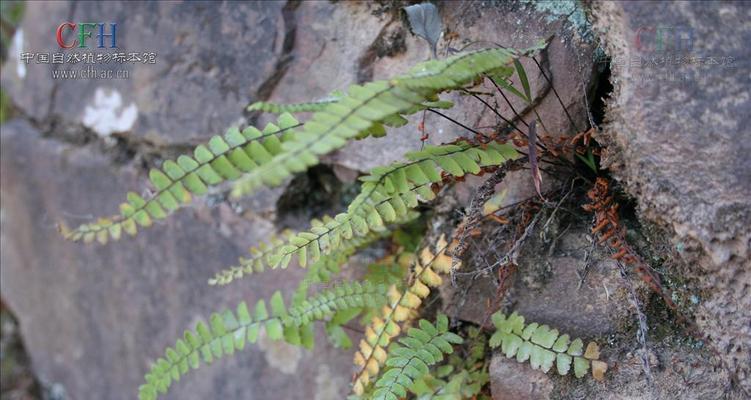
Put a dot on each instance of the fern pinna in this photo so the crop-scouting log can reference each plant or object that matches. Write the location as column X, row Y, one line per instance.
column 543, row 347
column 229, row 331
column 389, row 196
column 411, row 359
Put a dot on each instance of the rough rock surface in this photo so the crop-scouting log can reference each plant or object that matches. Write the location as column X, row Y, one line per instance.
column 94, row 317
column 360, row 47
column 561, row 280
column 510, row 380
column 211, row 61
column 678, row 133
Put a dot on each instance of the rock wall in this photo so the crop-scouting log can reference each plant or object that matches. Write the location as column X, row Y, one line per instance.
column 678, row 135
column 93, row 318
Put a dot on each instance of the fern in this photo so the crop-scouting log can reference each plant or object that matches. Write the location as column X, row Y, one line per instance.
column 387, row 196
column 421, row 348
column 312, row 106
column 266, row 254
column 229, row 331
column 369, row 104
column 255, row 158
column 402, row 305
column 543, row 347
column 221, row 159
column 462, row 377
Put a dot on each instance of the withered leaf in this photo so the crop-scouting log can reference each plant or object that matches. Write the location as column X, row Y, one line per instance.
column 426, row 23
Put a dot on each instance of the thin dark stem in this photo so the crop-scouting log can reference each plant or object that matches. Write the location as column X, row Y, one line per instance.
column 511, row 124
column 555, row 92
column 542, row 146
column 508, row 102
column 458, row 123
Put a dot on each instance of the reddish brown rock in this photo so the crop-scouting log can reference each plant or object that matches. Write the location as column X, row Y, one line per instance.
column 511, row 380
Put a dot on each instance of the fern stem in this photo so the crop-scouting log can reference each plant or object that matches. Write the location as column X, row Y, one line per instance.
column 555, row 92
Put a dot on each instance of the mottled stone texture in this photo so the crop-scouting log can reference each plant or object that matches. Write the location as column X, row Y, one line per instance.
column 93, row 318
column 211, row 60
column 678, row 139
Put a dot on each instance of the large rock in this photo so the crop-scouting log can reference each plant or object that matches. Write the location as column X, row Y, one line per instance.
column 211, row 61
column 678, row 136
column 565, row 283
column 371, row 42
column 94, row 317
column 510, row 380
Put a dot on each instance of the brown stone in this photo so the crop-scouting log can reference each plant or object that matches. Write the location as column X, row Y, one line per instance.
column 511, row 380
column 677, row 137
column 94, row 317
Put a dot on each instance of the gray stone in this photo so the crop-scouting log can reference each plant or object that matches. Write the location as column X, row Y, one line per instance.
column 94, row 317
column 211, row 60
column 678, row 138
column 331, row 56
column 510, row 380
column 563, row 283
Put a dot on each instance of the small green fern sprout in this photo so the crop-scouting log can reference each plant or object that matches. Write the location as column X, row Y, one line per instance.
column 401, row 307
column 543, row 347
column 221, row 159
column 229, row 331
column 413, row 356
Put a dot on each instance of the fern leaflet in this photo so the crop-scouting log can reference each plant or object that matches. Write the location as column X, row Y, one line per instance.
column 543, row 347
column 229, row 331
column 221, row 159
column 421, row 348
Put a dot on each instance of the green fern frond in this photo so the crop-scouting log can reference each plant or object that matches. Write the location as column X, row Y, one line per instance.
column 412, row 358
column 388, row 195
column 402, row 307
column 223, row 158
column 462, row 377
column 369, row 104
column 271, row 254
column 454, row 387
column 255, row 158
column 319, row 105
column 260, row 257
column 230, row 331
column 542, row 346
